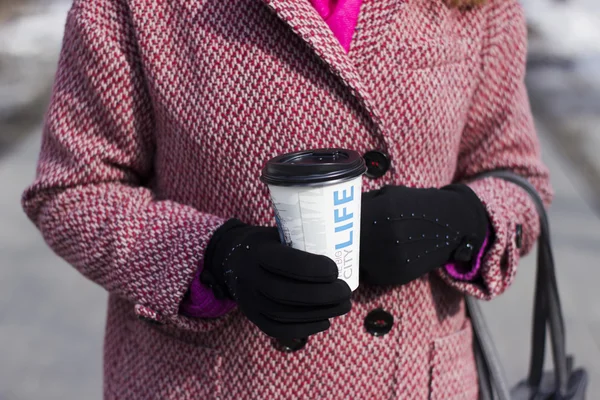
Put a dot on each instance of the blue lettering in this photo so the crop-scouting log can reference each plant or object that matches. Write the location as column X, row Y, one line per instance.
column 341, row 218
column 343, row 227
column 345, row 199
column 345, row 244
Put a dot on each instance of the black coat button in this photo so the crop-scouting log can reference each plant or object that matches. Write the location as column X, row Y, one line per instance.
column 379, row 322
column 289, row 345
column 377, row 162
column 519, row 236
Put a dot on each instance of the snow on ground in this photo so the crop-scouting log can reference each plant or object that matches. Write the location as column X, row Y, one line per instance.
column 29, row 47
column 37, row 33
column 569, row 28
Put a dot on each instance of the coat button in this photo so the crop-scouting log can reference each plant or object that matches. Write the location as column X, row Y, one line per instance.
column 519, row 236
column 379, row 322
column 377, row 162
column 289, row 345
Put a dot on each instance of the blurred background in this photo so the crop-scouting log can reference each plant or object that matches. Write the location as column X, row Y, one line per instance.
column 52, row 319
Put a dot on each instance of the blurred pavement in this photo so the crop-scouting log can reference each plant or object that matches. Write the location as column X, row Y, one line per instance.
column 575, row 232
column 51, row 318
column 564, row 79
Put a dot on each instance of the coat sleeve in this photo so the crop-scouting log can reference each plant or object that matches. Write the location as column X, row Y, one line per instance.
column 500, row 134
column 91, row 199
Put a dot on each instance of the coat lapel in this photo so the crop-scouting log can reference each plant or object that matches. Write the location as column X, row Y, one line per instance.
column 305, row 22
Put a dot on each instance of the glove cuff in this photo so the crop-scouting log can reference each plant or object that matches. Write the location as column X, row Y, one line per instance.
column 212, row 274
column 476, row 223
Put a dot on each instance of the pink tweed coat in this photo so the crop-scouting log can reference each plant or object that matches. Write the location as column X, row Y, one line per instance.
column 162, row 115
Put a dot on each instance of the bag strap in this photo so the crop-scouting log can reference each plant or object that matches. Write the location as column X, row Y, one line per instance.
column 547, row 307
column 486, row 390
column 492, row 379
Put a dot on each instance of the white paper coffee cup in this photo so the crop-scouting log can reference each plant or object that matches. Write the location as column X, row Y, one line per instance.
column 316, row 196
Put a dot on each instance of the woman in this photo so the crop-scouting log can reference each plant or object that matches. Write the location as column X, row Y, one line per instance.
column 162, row 116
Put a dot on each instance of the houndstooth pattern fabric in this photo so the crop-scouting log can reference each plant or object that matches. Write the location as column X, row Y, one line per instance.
column 162, row 116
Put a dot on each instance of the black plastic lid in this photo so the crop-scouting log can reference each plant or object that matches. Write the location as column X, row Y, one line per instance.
column 313, row 166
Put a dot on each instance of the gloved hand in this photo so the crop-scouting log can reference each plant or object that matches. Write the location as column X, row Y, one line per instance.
column 287, row 293
column 408, row 232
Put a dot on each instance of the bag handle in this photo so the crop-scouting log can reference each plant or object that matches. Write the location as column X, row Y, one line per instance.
column 547, row 308
column 492, row 379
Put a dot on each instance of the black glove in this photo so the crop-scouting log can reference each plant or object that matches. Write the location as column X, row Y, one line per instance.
column 287, row 293
column 408, row 232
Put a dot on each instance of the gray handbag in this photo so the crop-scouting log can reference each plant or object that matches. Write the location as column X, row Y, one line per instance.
column 564, row 382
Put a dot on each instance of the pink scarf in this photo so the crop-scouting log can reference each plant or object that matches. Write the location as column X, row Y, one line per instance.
column 341, row 16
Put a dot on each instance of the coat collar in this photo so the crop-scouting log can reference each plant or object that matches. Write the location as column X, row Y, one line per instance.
column 305, row 22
